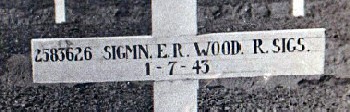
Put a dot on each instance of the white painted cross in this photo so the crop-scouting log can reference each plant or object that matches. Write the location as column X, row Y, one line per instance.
column 175, row 57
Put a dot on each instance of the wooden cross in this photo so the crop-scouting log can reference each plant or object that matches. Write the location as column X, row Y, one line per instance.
column 175, row 57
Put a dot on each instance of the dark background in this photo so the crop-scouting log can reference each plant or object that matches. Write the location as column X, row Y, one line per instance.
column 22, row 20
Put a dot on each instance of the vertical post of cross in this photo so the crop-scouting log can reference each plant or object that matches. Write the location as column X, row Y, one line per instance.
column 170, row 19
column 60, row 13
column 298, row 8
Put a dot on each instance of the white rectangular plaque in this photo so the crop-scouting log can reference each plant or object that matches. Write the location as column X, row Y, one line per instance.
column 218, row 55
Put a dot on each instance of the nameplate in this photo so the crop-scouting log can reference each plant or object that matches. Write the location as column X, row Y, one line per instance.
column 218, row 55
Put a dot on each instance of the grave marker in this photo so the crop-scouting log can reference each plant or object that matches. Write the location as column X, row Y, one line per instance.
column 176, row 58
column 217, row 55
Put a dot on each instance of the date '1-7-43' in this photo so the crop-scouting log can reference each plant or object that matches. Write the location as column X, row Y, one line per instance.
column 200, row 66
